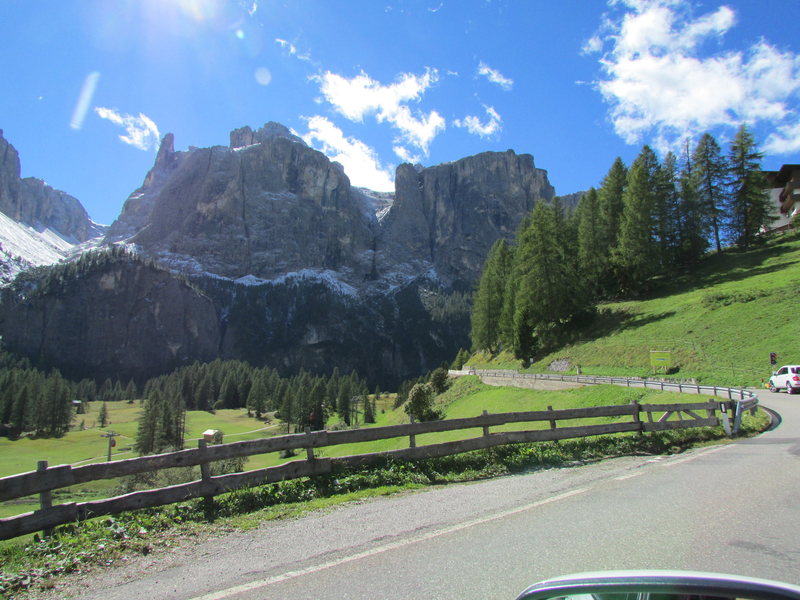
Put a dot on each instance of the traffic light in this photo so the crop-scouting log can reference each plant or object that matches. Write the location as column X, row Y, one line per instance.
column 773, row 358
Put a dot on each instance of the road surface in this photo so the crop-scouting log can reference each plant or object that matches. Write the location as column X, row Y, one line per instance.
column 730, row 508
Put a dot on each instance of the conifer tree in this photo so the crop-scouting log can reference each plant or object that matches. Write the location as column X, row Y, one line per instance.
column 665, row 211
column 610, row 202
column 592, row 254
column 343, row 404
column 102, row 418
column 634, row 257
column 749, row 209
column 488, row 304
column 318, row 413
column 709, row 170
column 692, row 223
column 549, row 293
column 257, row 398
column 147, row 428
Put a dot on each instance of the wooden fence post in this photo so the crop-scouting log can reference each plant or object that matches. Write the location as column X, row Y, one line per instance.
column 485, row 427
column 45, row 498
column 637, row 418
column 412, row 439
column 205, row 475
column 309, row 449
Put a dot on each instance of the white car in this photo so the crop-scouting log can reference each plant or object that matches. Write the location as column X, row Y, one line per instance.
column 786, row 378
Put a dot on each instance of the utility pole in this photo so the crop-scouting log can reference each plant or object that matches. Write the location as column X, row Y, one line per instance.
column 111, row 441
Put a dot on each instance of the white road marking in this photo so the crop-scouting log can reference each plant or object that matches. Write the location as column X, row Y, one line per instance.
column 261, row 583
column 629, row 476
column 678, row 461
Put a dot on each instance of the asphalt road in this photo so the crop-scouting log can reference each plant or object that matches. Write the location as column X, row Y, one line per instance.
column 731, row 508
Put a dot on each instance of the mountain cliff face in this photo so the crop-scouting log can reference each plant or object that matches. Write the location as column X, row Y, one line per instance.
column 297, row 268
column 110, row 316
column 268, row 205
column 34, row 203
column 263, row 209
column 451, row 214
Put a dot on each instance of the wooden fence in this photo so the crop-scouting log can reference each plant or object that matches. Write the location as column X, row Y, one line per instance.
column 45, row 479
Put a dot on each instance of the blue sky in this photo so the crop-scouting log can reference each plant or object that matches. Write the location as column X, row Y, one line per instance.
column 90, row 86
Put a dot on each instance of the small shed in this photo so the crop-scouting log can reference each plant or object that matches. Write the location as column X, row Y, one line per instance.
column 208, row 434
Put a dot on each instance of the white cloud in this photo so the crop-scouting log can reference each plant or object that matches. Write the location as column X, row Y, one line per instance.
column 141, row 131
column 362, row 96
column 292, row 50
column 360, row 162
column 495, row 76
column 785, row 140
column 406, row 156
column 661, row 86
column 474, row 125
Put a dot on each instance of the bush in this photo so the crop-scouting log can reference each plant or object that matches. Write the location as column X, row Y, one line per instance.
column 420, row 403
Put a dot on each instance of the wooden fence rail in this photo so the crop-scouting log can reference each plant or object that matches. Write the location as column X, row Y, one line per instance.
column 44, row 480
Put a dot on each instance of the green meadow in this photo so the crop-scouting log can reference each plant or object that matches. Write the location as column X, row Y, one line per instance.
column 720, row 320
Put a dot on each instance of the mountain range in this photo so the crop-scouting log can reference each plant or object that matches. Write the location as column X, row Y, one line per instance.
column 260, row 250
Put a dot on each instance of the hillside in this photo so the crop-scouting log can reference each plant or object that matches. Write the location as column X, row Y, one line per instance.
column 720, row 319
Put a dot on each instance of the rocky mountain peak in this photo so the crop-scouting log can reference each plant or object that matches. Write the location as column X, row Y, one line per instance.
column 244, row 136
column 32, row 202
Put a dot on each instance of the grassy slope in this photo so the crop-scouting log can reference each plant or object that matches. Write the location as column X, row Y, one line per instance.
column 721, row 320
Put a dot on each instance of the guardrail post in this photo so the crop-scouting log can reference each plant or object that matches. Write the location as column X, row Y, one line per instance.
column 485, row 427
column 309, row 449
column 45, row 498
column 737, row 419
column 412, row 439
column 726, row 422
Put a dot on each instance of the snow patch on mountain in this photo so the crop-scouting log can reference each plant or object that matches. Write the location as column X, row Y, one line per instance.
column 22, row 247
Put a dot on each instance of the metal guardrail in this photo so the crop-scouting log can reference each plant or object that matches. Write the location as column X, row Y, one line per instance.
column 744, row 399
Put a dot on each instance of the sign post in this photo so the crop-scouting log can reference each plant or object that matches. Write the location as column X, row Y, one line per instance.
column 111, row 441
column 660, row 359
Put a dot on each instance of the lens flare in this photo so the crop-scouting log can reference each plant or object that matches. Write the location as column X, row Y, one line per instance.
column 263, row 76
column 84, row 100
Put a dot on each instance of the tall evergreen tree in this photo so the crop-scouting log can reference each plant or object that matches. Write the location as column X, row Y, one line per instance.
column 488, row 305
column 665, row 211
column 692, row 222
column 709, row 171
column 634, row 257
column 592, row 243
column 611, row 202
column 549, row 293
column 749, row 209
column 257, row 398
column 147, row 429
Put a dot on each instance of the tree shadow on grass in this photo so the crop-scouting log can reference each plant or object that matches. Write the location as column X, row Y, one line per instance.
column 609, row 321
column 728, row 267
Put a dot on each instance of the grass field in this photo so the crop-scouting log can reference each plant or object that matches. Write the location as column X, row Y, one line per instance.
column 720, row 320
column 466, row 398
